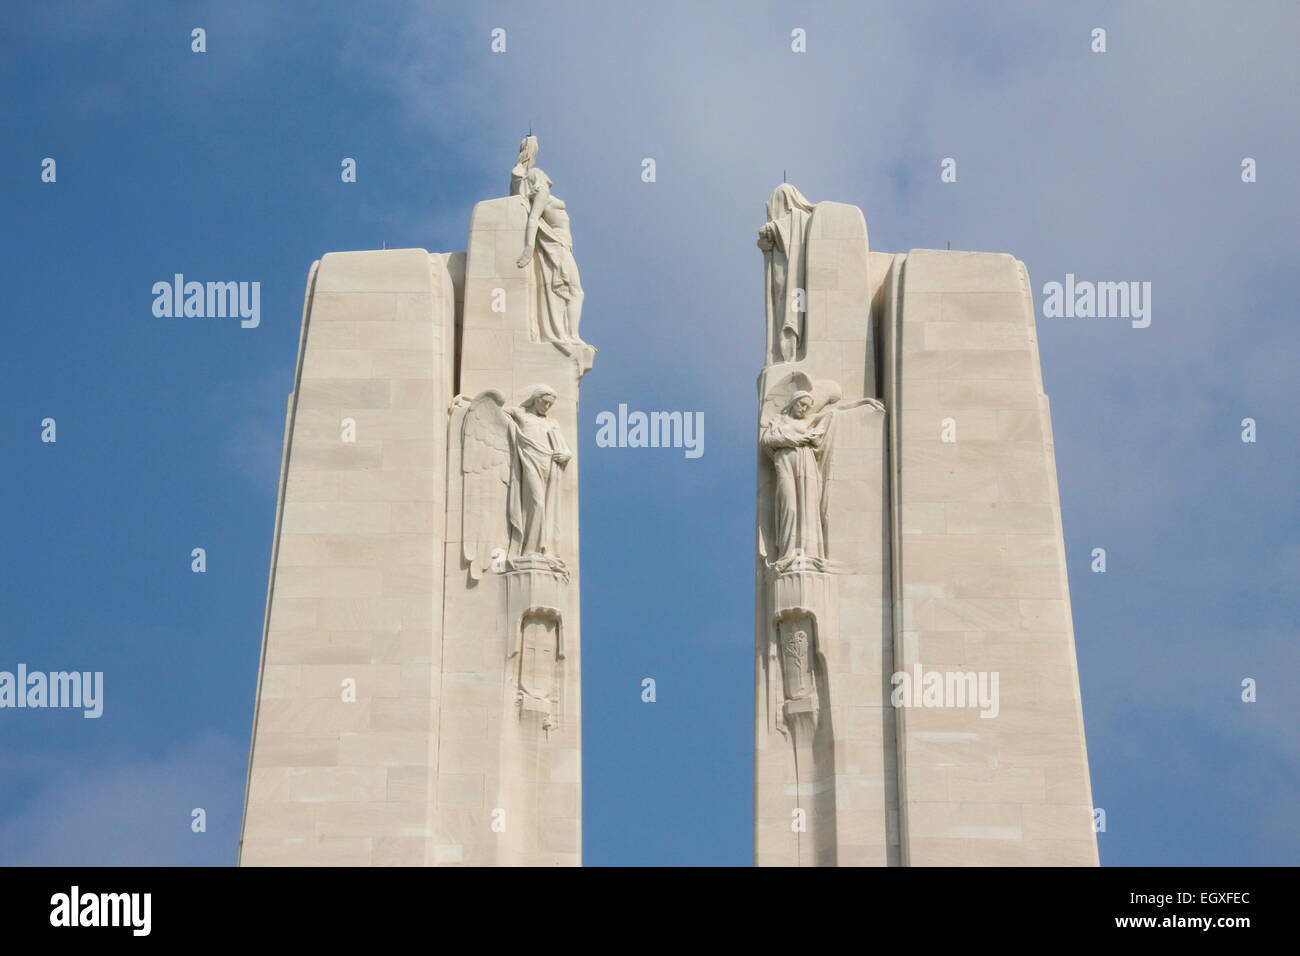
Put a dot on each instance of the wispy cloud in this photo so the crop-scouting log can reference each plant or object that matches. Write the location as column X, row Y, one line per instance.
column 134, row 813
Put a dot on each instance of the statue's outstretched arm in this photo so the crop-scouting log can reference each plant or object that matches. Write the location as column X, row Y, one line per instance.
column 875, row 403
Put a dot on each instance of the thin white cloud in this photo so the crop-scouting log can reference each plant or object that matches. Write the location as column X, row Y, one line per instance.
column 135, row 813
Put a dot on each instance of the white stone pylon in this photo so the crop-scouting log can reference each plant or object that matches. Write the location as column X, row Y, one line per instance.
column 909, row 533
column 419, row 694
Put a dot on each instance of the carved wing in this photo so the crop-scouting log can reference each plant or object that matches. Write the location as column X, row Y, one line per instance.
column 825, row 392
column 485, row 473
column 777, row 397
column 766, row 505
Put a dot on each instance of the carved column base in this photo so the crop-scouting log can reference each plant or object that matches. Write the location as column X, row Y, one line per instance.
column 806, row 592
column 805, row 629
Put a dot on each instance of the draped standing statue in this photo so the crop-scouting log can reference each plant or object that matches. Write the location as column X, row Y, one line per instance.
column 799, row 441
column 512, row 461
column 548, row 244
column 783, row 239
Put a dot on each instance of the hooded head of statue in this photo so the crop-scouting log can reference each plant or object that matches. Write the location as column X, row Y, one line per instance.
column 799, row 404
column 785, row 198
column 523, row 170
column 527, row 155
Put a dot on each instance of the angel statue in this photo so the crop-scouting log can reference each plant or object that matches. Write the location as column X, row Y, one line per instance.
column 512, row 459
column 798, row 435
column 548, row 242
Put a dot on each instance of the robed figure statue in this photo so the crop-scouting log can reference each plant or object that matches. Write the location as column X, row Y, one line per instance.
column 799, row 440
column 512, row 462
column 548, row 245
column 783, row 239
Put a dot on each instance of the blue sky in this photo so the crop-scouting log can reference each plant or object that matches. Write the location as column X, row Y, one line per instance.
column 225, row 166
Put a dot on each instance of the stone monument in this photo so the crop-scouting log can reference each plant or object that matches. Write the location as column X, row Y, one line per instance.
column 419, row 700
column 916, row 695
